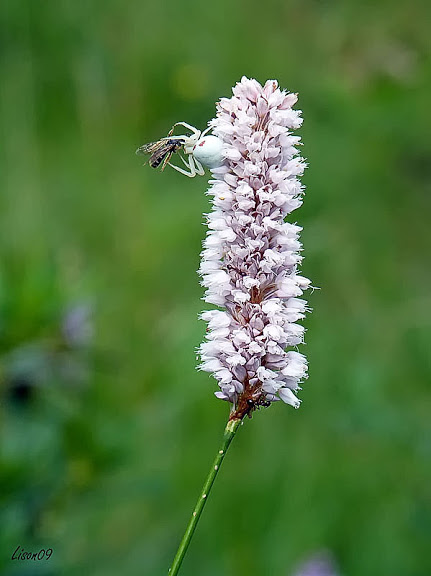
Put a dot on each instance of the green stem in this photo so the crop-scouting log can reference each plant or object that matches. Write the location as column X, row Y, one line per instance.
column 229, row 433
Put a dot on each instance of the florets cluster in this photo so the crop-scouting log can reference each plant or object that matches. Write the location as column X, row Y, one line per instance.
column 251, row 255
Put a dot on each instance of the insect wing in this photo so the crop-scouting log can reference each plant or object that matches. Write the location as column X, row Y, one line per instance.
column 150, row 148
column 159, row 155
column 161, row 151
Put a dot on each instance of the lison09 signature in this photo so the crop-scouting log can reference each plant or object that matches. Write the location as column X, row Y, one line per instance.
column 21, row 554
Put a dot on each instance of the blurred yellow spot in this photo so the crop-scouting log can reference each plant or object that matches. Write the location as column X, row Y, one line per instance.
column 190, row 82
column 80, row 471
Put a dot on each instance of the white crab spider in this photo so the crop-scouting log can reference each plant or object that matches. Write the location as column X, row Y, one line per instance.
column 201, row 150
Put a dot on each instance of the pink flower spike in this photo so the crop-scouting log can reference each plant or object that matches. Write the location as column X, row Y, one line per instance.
column 250, row 262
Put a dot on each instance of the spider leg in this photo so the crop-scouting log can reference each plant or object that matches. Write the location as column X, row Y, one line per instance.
column 198, row 167
column 206, row 131
column 190, row 165
column 191, row 128
column 173, row 138
column 193, row 165
column 189, row 174
column 184, row 161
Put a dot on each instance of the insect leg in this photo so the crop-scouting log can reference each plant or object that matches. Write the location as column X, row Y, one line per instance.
column 166, row 160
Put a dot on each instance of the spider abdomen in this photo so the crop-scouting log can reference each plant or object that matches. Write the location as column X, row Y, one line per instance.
column 208, row 151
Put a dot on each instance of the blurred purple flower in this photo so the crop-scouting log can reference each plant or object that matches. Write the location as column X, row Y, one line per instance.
column 77, row 326
column 250, row 258
column 62, row 359
column 319, row 564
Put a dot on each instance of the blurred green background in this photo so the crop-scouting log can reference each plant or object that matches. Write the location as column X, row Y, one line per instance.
column 107, row 429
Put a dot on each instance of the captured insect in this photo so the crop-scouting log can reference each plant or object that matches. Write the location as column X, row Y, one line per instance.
column 162, row 150
column 200, row 149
